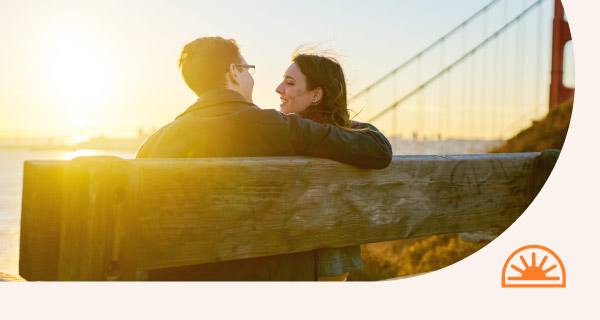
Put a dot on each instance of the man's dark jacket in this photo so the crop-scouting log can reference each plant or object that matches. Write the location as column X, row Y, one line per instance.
column 223, row 124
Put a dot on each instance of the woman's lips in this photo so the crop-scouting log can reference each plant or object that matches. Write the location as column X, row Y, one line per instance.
column 283, row 101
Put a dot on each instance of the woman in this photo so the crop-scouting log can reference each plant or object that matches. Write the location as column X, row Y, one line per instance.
column 314, row 87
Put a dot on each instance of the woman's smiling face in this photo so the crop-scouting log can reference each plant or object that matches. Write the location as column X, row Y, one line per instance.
column 295, row 98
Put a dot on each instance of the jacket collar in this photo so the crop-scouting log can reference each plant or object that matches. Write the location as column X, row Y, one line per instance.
column 214, row 97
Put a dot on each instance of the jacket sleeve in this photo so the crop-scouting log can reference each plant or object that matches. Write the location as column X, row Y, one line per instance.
column 365, row 148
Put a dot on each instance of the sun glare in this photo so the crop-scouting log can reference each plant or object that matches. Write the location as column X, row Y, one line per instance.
column 78, row 139
column 79, row 153
column 80, row 76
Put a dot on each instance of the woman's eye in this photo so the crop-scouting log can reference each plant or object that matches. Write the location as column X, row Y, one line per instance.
column 289, row 83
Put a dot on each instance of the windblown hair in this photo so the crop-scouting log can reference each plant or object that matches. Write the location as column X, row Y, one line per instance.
column 325, row 72
column 205, row 61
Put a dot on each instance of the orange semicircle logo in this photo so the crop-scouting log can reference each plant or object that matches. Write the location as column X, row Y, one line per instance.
column 522, row 269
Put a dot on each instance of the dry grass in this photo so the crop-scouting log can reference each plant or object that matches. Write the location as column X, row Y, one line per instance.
column 392, row 259
column 548, row 133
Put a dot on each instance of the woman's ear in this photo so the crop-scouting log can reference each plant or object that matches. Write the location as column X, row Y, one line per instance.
column 317, row 95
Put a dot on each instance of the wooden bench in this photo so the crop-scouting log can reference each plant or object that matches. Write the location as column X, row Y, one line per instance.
column 105, row 218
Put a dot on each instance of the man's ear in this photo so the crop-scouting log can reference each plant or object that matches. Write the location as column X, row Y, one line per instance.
column 233, row 74
column 317, row 95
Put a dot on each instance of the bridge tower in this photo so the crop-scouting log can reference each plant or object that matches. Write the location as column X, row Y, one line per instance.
column 561, row 34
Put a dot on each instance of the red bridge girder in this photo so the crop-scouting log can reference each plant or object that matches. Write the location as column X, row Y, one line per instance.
column 561, row 34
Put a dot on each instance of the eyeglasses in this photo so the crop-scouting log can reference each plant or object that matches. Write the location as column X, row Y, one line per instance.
column 251, row 68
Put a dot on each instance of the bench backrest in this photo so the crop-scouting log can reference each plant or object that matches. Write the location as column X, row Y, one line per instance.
column 104, row 218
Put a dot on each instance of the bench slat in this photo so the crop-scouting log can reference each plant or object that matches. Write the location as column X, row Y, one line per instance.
column 189, row 211
column 206, row 211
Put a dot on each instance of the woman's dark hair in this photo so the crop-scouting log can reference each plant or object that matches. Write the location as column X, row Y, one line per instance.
column 325, row 72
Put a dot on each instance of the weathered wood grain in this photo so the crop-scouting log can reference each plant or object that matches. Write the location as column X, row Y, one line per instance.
column 97, row 241
column 196, row 211
column 190, row 211
column 541, row 169
column 40, row 219
column 480, row 236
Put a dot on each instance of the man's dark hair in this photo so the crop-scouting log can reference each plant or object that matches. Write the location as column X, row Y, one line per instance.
column 205, row 61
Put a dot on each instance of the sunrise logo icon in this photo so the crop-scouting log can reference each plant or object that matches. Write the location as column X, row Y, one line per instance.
column 518, row 271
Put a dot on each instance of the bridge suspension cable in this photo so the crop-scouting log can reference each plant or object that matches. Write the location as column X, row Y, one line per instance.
column 449, row 67
column 462, row 25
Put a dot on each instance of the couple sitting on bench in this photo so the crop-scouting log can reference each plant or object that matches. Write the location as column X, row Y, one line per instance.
column 314, row 121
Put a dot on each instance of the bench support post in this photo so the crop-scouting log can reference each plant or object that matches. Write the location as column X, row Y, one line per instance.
column 99, row 208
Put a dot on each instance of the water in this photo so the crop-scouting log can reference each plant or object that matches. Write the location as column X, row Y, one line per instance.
column 11, row 187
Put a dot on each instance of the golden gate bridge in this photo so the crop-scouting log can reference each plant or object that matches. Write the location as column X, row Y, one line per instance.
column 486, row 78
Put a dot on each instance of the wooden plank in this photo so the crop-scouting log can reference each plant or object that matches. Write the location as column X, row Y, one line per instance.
column 100, row 201
column 188, row 211
column 40, row 219
column 206, row 210
column 480, row 236
column 542, row 167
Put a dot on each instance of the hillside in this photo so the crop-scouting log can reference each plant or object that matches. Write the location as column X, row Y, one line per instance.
column 548, row 133
column 400, row 258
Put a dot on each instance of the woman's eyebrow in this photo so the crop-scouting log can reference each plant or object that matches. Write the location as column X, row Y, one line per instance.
column 288, row 77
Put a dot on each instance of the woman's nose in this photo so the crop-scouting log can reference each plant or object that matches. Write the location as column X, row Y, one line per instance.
column 279, row 88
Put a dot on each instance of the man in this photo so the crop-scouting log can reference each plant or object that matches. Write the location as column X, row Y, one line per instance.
column 225, row 123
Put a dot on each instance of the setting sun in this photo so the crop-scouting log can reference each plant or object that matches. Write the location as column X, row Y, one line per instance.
column 79, row 73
